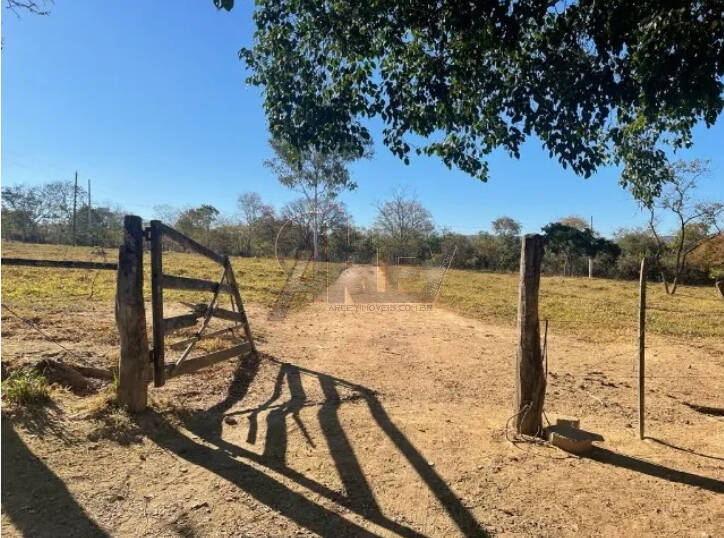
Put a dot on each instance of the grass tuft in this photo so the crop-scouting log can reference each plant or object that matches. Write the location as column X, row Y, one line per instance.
column 26, row 387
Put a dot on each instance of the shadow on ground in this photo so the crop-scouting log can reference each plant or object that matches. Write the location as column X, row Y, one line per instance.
column 34, row 498
column 39, row 504
column 358, row 496
column 653, row 469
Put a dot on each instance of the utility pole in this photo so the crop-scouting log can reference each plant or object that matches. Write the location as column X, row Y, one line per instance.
column 75, row 200
column 590, row 260
column 89, row 214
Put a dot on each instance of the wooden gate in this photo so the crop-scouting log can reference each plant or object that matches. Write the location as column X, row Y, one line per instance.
column 162, row 327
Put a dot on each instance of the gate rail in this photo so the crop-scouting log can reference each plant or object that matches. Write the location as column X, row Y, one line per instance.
column 163, row 326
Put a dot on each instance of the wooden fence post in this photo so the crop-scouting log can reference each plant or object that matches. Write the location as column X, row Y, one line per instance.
column 133, row 366
column 642, row 345
column 159, row 372
column 530, row 382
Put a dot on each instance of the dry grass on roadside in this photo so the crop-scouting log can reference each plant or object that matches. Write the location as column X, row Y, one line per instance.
column 597, row 309
column 260, row 279
column 25, row 387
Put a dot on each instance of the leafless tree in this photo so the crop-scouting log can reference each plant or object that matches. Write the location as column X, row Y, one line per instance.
column 574, row 221
column 254, row 213
column 29, row 6
column 251, row 207
column 404, row 220
column 319, row 177
column 506, row 226
column 697, row 220
column 167, row 214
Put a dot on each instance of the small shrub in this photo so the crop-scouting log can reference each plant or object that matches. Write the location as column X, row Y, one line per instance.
column 26, row 387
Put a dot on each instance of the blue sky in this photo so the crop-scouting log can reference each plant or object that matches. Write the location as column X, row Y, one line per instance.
column 148, row 100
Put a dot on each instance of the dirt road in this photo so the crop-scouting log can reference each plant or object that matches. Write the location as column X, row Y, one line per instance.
column 377, row 418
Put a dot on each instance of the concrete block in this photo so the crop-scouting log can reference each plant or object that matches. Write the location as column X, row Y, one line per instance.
column 571, row 422
column 573, row 440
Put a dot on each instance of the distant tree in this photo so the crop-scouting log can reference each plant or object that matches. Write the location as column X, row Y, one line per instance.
column 364, row 245
column 23, row 209
column 574, row 221
column 506, row 244
column 463, row 247
column 404, row 221
column 254, row 213
column 224, row 236
column 49, row 206
column 196, row 222
column 566, row 241
column 59, row 195
column 697, row 221
column 319, row 176
column 506, row 226
column 166, row 214
column 634, row 244
column 44, row 213
column 709, row 256
column 314, row 223
column 251, row 206
column 569, row 242
column 104, row 229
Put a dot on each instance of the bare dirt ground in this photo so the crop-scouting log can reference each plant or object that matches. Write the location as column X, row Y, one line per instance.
column 371, row 420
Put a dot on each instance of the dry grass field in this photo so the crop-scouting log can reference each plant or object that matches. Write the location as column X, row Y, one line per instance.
column 367, row 421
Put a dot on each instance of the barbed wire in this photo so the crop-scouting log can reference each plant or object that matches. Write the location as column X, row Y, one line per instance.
column 35, row 327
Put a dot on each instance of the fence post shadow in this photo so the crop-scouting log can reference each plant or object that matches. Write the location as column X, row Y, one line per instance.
column 34, row 498
column 207, row 425
column 683, row 449
column 359, row 499
column 462, row 517
column 258, row 484
column 609, row 457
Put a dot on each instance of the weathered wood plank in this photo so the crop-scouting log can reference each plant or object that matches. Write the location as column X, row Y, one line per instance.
column 180, row 322
column 63, row 264
column 530, row 381
column 183, row 343
column 133, row 365
column 228, row 315
column 194, row 284
column 159, row 324
column 207, row 312
column 191, row 244
column 191, row 365
column 236, row 295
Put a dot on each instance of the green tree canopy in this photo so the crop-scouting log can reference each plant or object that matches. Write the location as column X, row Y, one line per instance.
column 320, row 176
column 506, row 226
column 597, row 81
column 569, row 242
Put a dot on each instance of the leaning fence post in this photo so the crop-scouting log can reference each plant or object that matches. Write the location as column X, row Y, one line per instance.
column 133, row 366
column 530, row 382
column 642, row 345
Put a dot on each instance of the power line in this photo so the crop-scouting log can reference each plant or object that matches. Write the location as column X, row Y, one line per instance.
column 90, row 235
column 75, row 198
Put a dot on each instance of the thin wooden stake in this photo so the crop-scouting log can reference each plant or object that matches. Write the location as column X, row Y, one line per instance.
column 159, row 368
column 642, row 345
